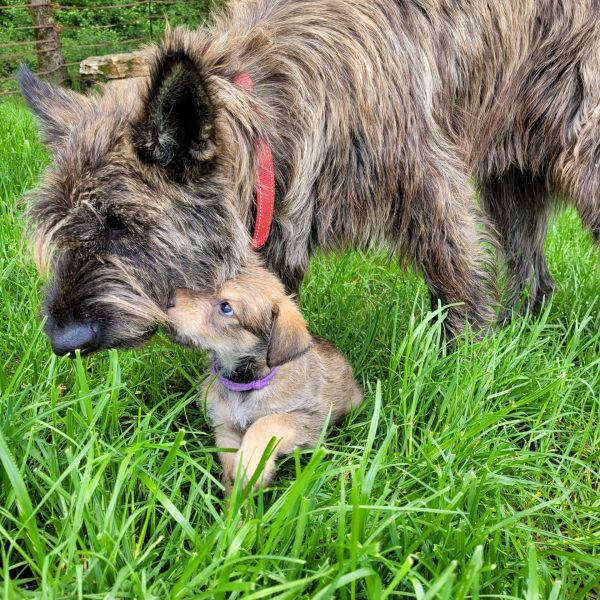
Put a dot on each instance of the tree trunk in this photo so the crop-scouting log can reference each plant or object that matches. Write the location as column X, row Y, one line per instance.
column 50, row 60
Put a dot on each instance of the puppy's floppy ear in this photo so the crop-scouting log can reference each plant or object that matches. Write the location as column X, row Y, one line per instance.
column 289, row 335
column 178, row 122
column 56, row 108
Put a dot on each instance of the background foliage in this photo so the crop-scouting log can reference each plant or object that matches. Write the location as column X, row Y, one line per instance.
column 91, row 28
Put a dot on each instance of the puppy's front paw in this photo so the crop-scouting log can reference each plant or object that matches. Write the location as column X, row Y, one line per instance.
column 250, row 460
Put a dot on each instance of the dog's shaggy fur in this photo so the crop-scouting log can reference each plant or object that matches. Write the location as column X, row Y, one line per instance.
column 378, row 113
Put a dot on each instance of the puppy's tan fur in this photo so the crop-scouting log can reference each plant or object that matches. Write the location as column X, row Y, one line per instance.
column 314, row 379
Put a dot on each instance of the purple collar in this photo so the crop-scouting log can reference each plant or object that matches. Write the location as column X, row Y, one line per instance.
column 251, row 386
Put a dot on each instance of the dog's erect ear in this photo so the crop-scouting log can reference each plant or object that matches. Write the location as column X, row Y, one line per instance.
column 55, row 108
column 178, row 122
column 289, row 335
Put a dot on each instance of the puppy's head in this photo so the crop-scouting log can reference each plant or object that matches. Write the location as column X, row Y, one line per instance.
column 249, row 316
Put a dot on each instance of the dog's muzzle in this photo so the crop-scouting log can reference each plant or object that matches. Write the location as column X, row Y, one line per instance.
column 84, row 337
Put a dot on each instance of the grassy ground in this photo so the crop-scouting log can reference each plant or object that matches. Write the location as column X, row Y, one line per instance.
column 468, row 474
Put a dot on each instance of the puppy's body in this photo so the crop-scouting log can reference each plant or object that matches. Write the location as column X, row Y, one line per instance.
column 265, row 336
column 293, row 408
column 313, row 384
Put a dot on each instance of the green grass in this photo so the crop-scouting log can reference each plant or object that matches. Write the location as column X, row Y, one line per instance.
column 469, row 474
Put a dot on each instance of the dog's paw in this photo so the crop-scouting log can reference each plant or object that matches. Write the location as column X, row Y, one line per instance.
column 250, row 463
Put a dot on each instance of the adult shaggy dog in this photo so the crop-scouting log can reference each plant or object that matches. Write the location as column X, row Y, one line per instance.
column 377, row 114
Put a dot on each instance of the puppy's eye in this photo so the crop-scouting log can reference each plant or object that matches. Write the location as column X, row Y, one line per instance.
column 115, row 227
column 226, row 310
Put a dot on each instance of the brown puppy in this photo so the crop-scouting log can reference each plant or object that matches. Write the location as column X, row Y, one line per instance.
column 274, row 378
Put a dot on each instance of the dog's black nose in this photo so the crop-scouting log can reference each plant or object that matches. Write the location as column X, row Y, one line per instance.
column 171, row 302
column 74, row 336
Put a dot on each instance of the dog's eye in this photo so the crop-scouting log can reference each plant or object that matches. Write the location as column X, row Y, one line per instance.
column 225, row 309
column 114, row 226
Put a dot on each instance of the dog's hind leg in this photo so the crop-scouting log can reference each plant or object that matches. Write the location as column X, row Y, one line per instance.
column 589, row 212
column 578, row 169
column 579, row 179
column 519, row 206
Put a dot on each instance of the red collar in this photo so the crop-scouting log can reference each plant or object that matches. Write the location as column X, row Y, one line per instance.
column 265, row 184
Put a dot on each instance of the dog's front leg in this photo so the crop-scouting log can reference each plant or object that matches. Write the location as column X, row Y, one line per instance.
column 445, row 237
column 226, row 437
column 286, row 428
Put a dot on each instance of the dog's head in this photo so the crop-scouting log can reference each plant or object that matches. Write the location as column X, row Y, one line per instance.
column 145, row 194
column 250, row 316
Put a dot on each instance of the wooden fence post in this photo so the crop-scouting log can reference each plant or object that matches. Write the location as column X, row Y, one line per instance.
column 51, row 63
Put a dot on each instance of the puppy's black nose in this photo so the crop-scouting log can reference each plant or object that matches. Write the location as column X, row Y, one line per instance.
column 171, row 302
